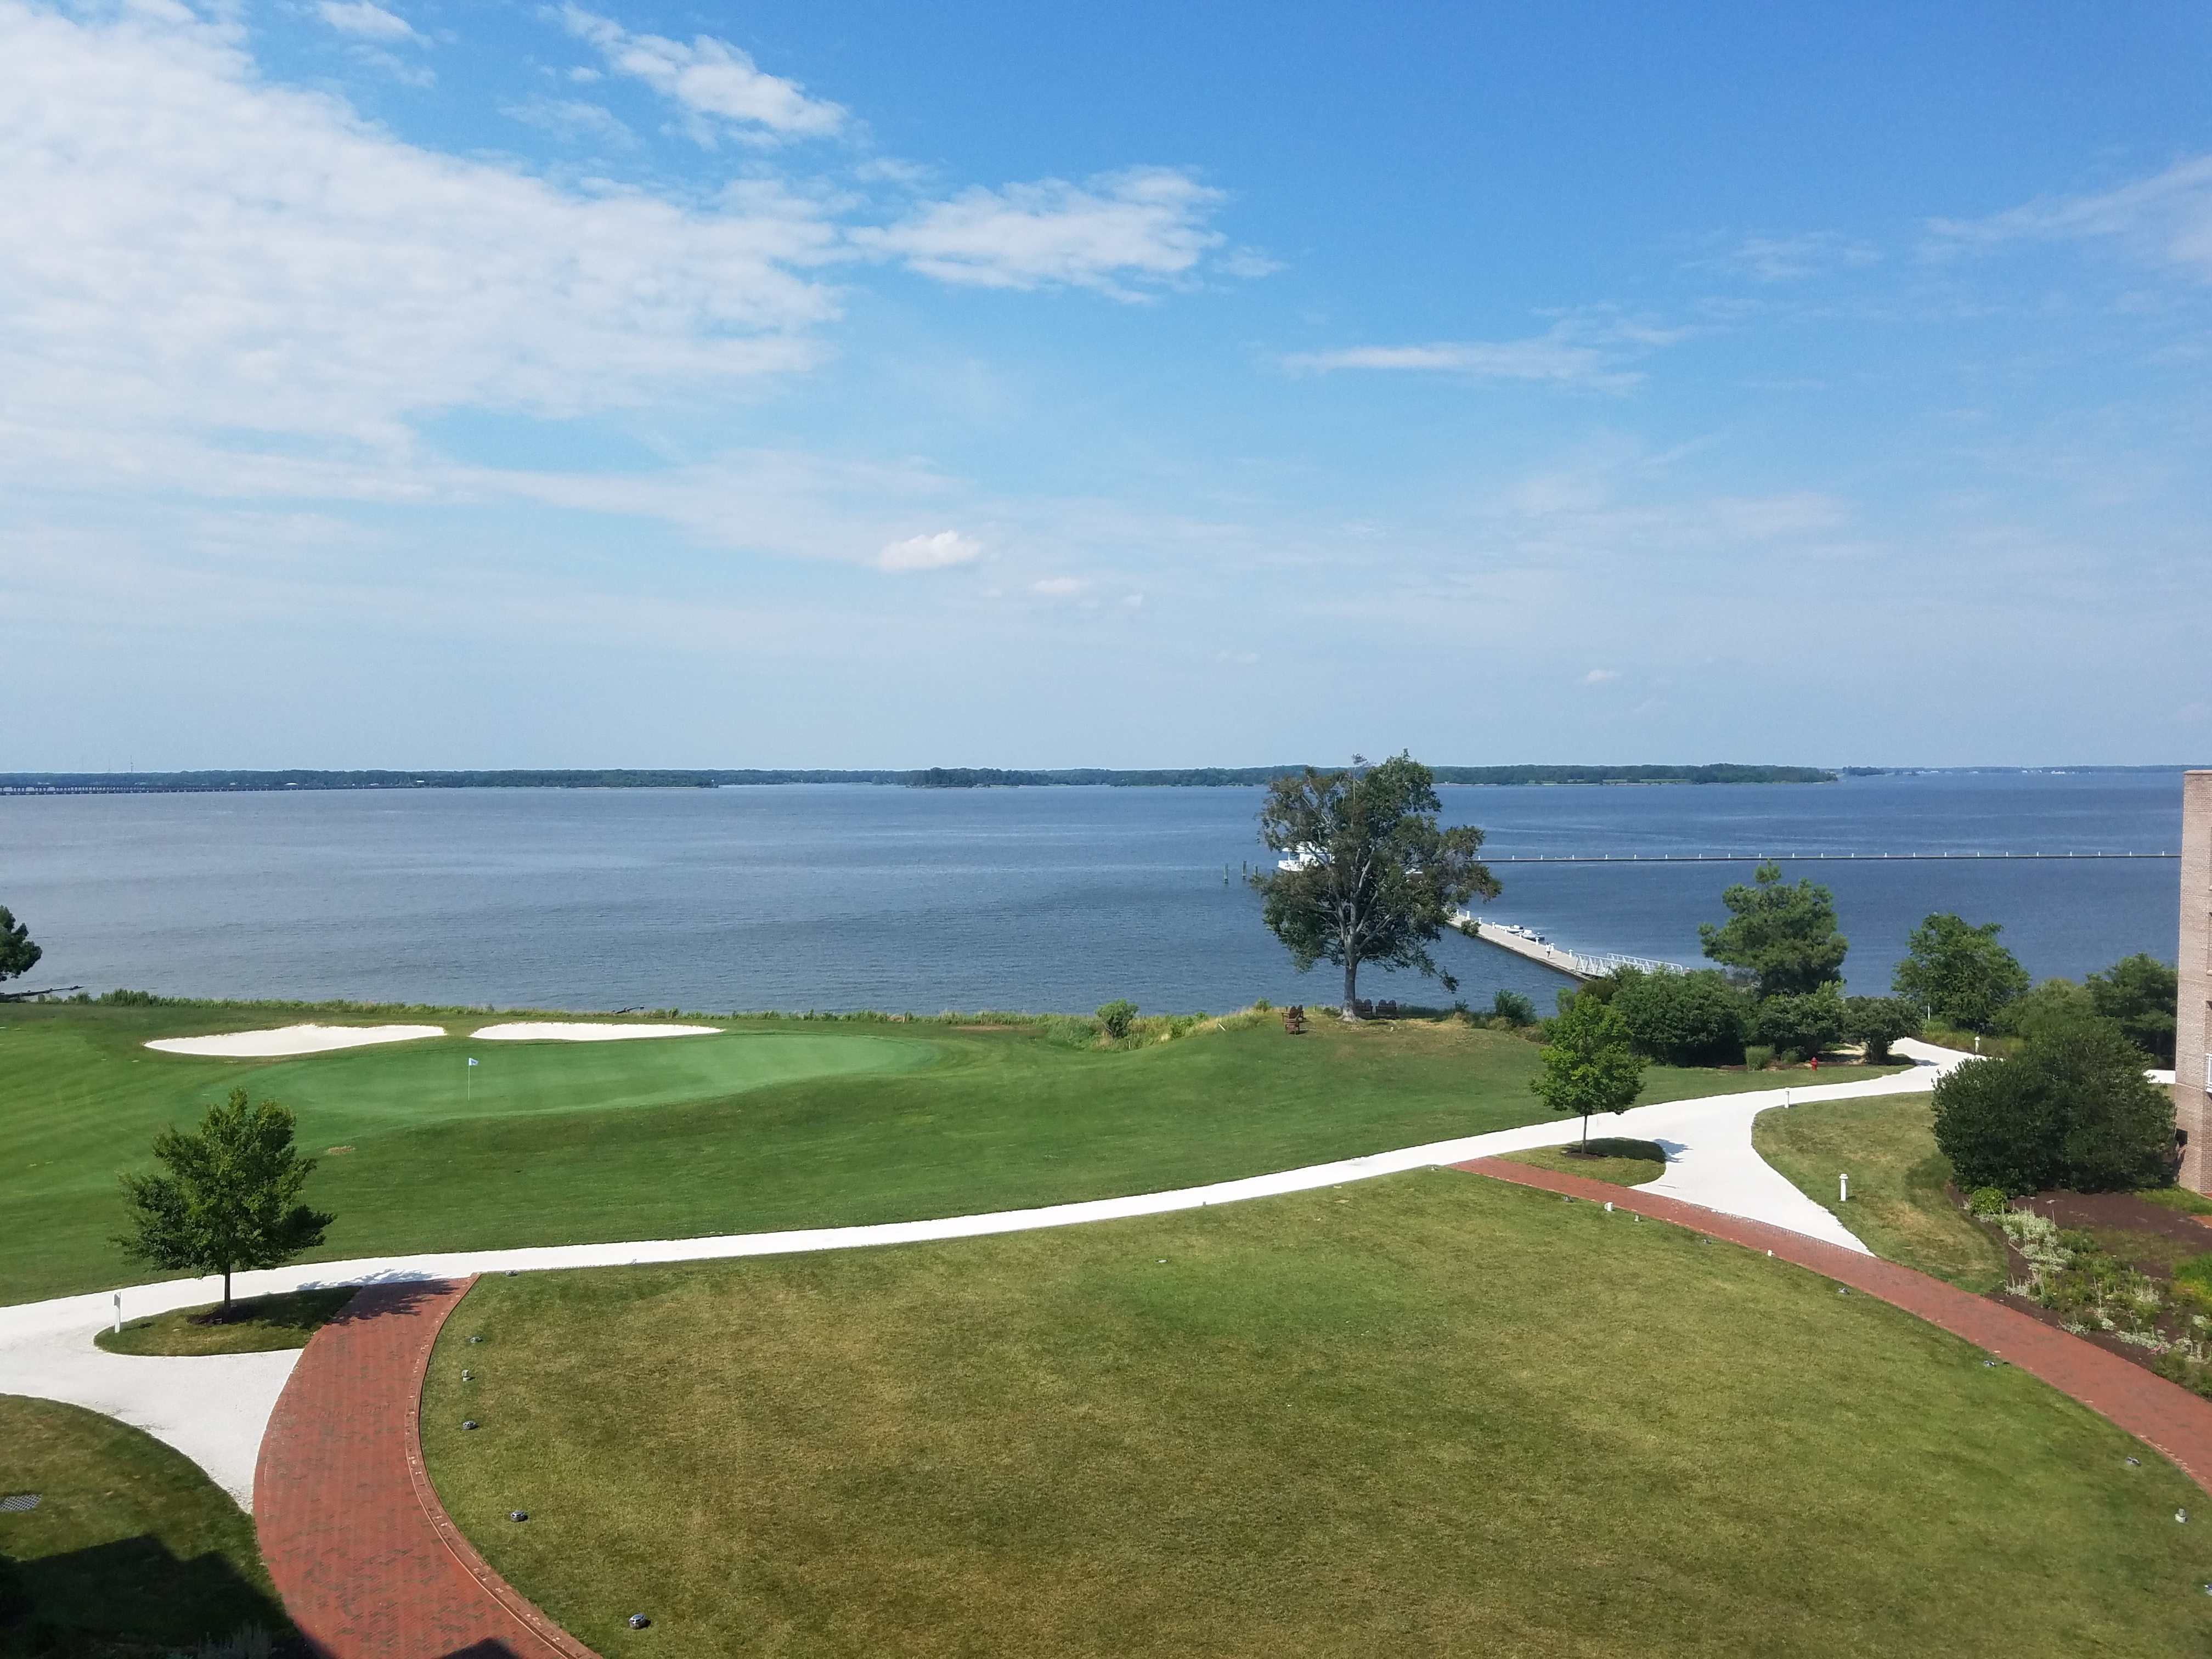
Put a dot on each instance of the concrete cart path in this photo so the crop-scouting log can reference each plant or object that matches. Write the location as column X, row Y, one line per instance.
column 215, row 1409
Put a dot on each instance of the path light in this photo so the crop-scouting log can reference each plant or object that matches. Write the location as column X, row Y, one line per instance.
column 1844, row 1190
column 2181, row 1514
column 518, row 1515
column 2135, row 1462
column 639, row 1621
column 468, row 1422
column 471, row 1376
column 1608, row 1206
column 119, row 1313
column 1843, row 1290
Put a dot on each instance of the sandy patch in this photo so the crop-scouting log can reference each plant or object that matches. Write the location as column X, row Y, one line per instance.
column 293, row 1040
column 554, row 1032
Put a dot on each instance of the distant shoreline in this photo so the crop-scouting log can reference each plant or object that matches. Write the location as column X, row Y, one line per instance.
column 941, row 777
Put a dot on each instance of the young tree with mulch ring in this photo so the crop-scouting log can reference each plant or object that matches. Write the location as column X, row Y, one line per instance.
column 230, row 1200
column 1588, row 1065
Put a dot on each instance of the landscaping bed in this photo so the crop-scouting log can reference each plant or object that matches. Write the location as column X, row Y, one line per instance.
column 253, row 1325
column 1617, row 1158
column 2130, row 1272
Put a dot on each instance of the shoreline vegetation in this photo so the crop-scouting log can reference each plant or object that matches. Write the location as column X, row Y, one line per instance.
column 933, row 777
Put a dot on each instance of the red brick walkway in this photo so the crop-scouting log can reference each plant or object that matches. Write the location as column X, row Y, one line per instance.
column 366, row 1561
column 2165, row 1416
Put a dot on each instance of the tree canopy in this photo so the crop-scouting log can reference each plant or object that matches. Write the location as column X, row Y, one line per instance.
column 1959, row 974
column 18, row 954
column 1783, row 937
column 1588, row 1065
column 2141, row 994
column 1371, row 877
column 230, row 1200
column 2071, row 1110
column 1877, row 1022
column 1682, row 1020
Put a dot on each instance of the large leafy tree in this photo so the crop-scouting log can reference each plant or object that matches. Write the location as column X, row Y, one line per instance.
column 1587, row 1065
column 2071, row 1110
column 230, row 1200
column 1877, row 1022
column 18, row 953
column 1783, row 937
column 1370, row 876
column 1960, row 974
column 2141, row 994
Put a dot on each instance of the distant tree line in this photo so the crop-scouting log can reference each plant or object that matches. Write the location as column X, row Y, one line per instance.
column 933, row 777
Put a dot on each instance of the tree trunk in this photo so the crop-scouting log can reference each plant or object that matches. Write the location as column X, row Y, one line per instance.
column 1585, row 1134
column 1350, row 986
column 225, row 1313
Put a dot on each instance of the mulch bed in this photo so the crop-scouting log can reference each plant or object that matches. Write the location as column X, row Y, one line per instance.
column 2105, row 1215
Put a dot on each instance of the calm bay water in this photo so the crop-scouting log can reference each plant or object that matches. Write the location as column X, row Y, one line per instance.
column 839, row 897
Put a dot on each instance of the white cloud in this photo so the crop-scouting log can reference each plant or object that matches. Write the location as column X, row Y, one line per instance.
column 1147, row 224
column 370, row 22
column 189, row 245
column 2165, row 218
column 709, row 77
column 1600, row 676
column 939, row 552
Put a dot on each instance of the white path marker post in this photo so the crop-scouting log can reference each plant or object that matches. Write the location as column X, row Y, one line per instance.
column 1843, row 1189
column 119, row 1313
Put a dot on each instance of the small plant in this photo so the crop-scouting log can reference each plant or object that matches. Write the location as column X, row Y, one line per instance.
column 1756, row 1057
column 1513, row 1008
column 1117, row 1017
column 1989, row 1202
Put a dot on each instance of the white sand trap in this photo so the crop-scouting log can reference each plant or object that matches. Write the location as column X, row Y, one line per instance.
column 554, row 1032
column 293, row 1040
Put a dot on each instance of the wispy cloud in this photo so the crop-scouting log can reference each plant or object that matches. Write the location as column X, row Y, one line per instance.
column 941, row 551
column 1789, row 259
column 365, row 21
column 1584, row 350
column 2165, row 218
column 569, row 118
column 1146, row 225
column 1600, row 675
column 710, row 78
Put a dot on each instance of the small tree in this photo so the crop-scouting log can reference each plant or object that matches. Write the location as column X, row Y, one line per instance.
column 1784, row 938
column 1877, row 1022
column 2071, row 1110
column 18, row 953
column 2142, row 994
column 1117, row 1017
column 1959, row 974
column 1370, row 877
column 1587, row 1064
column 230, row 1202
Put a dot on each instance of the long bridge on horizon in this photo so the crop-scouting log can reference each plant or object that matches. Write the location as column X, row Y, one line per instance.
column 1790, row 858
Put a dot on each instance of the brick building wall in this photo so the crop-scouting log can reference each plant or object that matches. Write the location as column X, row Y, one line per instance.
column 2192, row 1082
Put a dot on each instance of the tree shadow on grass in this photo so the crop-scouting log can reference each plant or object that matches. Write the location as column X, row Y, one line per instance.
column 133, row 1589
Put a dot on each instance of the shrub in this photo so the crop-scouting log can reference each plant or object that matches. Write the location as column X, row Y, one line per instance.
column 1682, row 1020
column 1117, row 1017
column 1808, row 1024
column 1513, row 1008
column 1987, row 1201
column 1756, row 1057
column 2071, row 1109
column 1877, row 1022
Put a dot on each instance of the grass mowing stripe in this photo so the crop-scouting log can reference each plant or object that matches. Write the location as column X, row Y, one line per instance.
column 1428, row 1413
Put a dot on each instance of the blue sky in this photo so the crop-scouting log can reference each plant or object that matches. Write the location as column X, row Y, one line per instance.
column 862, row 384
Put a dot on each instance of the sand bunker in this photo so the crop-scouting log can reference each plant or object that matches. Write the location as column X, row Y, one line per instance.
column 293, row 1040
column 553, row 1031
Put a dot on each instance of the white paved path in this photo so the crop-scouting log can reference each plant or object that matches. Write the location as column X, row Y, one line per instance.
column 215, row 1409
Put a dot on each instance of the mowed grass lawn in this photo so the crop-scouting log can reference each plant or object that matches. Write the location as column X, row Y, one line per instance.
column 1429, row 1414
column 1897, row 1208
column 129, row 1540
column 774, row 1124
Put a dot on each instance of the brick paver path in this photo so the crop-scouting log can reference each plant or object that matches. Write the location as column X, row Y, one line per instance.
column 366, row 1561
column 2162, row 1414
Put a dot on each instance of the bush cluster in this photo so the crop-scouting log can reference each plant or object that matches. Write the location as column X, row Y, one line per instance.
column 2072, row 1110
